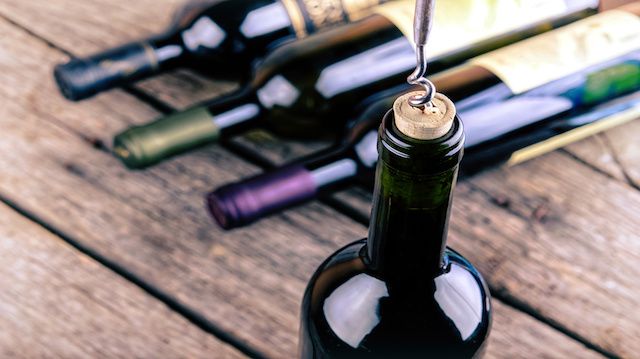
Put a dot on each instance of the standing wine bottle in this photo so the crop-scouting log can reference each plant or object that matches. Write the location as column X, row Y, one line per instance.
column 499, row 121
column 304, row 86
column 222, row 39
column 401, row 292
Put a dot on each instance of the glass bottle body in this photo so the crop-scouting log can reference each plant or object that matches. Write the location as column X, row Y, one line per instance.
column 401, row 292
column 349, row 311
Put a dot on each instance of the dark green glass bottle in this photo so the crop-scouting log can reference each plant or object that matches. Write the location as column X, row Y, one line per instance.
column 401, row 292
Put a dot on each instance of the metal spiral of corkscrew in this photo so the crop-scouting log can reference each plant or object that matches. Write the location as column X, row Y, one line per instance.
column 421, row 27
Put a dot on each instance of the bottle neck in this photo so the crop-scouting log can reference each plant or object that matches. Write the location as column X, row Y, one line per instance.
column 409, row 221
column 236, row 113
column 412, row 200
column 167, row 50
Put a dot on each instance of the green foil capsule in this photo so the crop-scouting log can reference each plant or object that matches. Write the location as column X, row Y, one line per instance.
column 143, row 146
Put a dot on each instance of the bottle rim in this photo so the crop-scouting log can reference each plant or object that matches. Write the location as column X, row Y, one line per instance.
column 412, row 155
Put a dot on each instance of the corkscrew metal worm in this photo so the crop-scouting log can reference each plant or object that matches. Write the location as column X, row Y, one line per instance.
column 421, row 27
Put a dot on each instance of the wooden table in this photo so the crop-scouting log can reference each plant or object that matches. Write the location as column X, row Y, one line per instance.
column 96, row 260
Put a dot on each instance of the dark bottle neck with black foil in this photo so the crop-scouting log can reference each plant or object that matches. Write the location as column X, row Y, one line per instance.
column 84, row 77
column 412, row 200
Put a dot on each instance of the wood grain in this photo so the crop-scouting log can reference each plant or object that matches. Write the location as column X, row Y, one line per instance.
column 576, row 251
column 56, row 302
column 249, row 282
column 610, row 4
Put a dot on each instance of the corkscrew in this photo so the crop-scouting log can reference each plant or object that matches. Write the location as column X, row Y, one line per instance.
column 421, row 27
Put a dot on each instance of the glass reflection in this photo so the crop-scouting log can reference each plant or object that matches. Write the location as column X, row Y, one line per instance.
column 352, row 309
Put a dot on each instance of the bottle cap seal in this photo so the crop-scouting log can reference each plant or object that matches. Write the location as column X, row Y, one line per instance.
column 426, row 123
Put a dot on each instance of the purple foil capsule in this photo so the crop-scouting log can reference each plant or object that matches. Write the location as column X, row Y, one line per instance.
column 241, row 203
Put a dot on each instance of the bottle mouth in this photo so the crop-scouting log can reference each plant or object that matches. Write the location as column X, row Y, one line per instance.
column 427, row 122
column 223, row 210
column 128, row 151
column 69, row 78
column 241, row 203
column 420, row 156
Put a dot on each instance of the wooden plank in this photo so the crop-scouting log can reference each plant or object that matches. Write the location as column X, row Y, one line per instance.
column 249, row 282
column 616, row 152
column 610, row 4
column 596, row 152
column 576, row 251
column 626, row 148
column 56, row 302
column 516, row 335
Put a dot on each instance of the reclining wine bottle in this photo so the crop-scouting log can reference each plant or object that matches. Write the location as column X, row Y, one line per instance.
column 302, row 87
column 537, row 139
column 401, row 293
column 222, row 39
column 500, row 122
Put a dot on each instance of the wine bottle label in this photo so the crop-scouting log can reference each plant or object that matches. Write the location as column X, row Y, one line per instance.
column 308, row 16
column 610, row 82
column 551, row 56
column 461, row 23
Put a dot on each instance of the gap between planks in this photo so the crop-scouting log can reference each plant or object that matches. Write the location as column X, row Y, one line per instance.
column 174, row 304
column 80, row 308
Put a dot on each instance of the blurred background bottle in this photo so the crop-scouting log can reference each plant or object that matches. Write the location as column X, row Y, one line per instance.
column 502, row 119
column 307, row 86
column 220, row 38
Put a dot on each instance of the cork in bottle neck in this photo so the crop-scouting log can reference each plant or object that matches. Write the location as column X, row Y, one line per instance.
column 428, row 123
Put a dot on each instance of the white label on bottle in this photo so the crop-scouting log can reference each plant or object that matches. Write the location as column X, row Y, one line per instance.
column 309, row 16
column 460, row 23
column 547, row 57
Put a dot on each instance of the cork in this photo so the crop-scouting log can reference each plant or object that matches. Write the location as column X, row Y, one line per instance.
column 424, row 124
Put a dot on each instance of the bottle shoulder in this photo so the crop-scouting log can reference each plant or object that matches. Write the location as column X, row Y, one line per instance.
column 348, row 309
column 332, row 64
column 226, row 38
